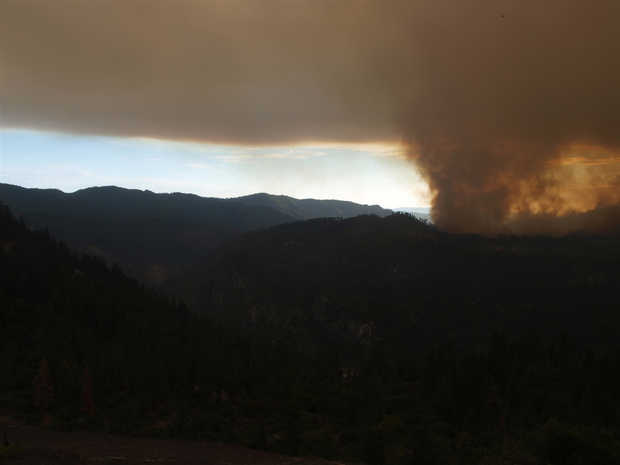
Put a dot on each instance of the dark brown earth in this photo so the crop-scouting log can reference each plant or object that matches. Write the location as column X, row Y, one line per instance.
column 37, row 446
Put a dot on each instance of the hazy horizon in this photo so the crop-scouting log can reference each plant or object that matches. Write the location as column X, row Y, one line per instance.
column 502, row 115
column 401, row 208
column 375, row 174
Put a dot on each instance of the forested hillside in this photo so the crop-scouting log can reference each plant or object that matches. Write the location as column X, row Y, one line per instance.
column 381, row 340
column 156, row 237
column 416, row 282
column 453, row 348
column 83, row 346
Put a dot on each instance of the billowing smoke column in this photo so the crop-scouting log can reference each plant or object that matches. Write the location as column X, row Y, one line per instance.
column 510, row 108
column 522, row 118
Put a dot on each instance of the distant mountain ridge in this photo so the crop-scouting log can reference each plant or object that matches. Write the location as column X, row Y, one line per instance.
column 306, row 209
column 155, row 235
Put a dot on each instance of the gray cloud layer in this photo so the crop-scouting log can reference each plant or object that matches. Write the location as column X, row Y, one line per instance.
column 490, row 94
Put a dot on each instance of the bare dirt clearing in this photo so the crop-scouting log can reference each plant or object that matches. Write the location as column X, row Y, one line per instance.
column 32, row 445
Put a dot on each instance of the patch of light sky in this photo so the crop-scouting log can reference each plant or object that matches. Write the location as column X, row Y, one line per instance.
column 368, row 173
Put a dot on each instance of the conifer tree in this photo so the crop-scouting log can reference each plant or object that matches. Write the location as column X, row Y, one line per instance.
column 43, row 387
column 88, row 401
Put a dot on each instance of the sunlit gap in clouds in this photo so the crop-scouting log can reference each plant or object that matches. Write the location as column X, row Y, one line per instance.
column 364, row 173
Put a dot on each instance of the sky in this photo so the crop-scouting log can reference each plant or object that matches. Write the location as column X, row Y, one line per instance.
column 499, row 113
column 363, row 173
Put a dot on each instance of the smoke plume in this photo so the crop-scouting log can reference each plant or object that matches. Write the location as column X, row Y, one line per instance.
column 510, row 108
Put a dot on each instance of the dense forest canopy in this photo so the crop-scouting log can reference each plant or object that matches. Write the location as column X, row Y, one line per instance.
column 382, row 340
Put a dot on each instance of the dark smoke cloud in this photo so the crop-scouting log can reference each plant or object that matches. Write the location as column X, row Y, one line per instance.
column 504, row 103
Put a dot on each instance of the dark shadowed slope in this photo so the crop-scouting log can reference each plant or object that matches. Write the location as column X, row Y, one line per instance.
column 151, row 235
column 369, row 339
column 457, row 349
column 154, row 235
column 414, row 281
column 84, row 347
